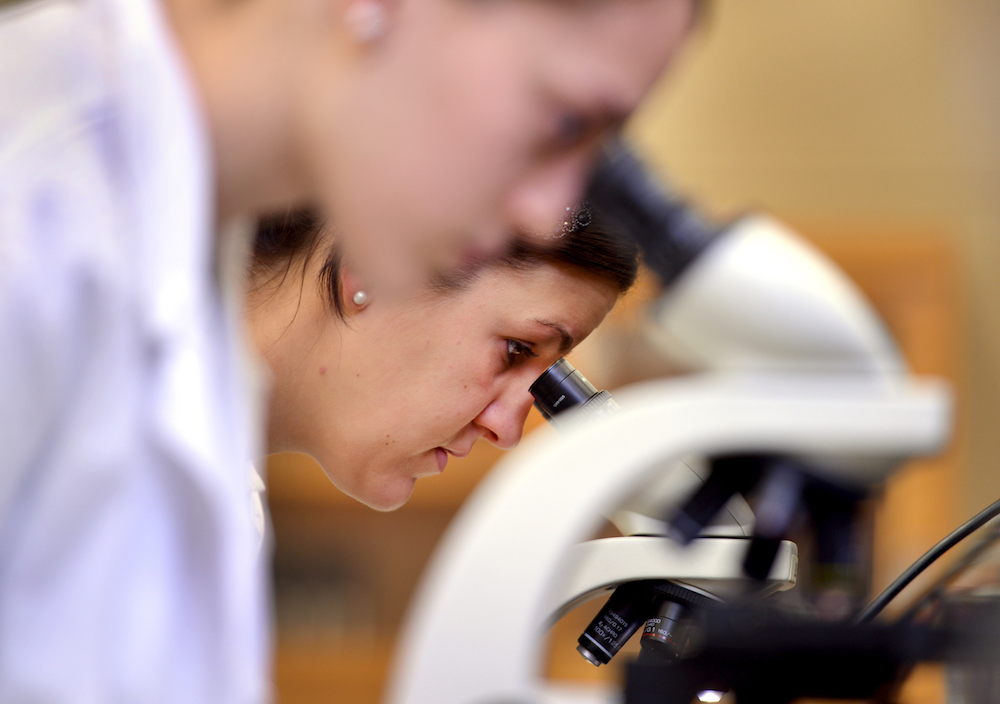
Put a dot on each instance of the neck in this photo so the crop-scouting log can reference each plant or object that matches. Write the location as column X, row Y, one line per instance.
column 242, row 57
column 286, row 321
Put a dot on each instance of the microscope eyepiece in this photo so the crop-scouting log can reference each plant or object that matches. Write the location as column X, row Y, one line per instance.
column 628, row 196
column 561, row 387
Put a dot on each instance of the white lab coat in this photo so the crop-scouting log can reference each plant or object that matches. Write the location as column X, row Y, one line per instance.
column 128, row 556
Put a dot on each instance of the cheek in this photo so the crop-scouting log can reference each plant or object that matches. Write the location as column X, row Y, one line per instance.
column 452, row 403
column 456, row 396
column 461, row 133
column 427, row 403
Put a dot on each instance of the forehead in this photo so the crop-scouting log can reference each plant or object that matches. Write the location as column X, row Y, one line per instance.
column 546, row 294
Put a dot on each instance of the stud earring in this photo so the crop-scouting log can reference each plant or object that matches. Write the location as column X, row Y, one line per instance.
column 360, row 298
column 366, row 20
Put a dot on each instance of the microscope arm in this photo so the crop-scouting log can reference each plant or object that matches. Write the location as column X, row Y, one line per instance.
column 711, row 566
column 476, row 630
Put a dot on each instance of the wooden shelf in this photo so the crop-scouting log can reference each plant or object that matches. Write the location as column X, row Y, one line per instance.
column 332, row 672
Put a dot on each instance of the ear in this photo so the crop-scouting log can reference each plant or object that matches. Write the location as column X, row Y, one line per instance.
column 368, row 21
column 356, row 298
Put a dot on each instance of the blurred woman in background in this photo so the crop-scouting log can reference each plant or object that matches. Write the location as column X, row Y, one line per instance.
column 429, row 129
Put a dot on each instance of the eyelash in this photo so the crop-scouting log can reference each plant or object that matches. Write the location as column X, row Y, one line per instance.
column 516, row 348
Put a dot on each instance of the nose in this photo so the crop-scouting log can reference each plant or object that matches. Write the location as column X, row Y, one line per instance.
column 502, row 421
column 538, row 205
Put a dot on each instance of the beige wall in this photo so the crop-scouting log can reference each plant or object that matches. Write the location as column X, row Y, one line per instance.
column 882, row 115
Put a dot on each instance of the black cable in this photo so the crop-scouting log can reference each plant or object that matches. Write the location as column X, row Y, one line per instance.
column 937, row 589
column 889, row 593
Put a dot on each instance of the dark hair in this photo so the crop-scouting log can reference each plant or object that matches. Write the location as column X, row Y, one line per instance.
column 291, row 239
column 286, row 239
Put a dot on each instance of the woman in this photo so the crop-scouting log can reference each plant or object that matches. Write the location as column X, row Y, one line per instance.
column 384, row 392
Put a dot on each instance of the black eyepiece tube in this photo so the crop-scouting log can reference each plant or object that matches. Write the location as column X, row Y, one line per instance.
column 561, row 387
column 633, row 200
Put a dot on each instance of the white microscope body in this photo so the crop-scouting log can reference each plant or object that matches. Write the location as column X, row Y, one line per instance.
column 762, row 305
column 793, row 362
column 760, row 300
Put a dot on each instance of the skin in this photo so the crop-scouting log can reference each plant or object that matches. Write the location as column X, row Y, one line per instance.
column 465, row 121
column 387, row 395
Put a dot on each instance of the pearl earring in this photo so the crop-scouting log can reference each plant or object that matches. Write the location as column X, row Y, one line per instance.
column 360, row 298
column 366, row 20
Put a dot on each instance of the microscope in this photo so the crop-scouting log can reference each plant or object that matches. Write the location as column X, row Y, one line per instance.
column 699, row 575
column 798, row 396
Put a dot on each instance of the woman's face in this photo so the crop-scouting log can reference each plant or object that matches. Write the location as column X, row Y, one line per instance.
column 388, row 395
column 469, row 120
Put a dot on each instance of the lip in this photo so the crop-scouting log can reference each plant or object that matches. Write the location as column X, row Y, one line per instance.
column 457, row 454
column 442, row 453
column 442, row 458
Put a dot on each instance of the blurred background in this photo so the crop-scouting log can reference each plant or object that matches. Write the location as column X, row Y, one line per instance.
column 873, row 128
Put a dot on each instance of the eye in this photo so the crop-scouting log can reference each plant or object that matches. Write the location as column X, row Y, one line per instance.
column 518, row 350
column 571, row 129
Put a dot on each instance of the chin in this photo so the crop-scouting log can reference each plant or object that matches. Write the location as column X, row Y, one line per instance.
column 377, row 490
column 384, row 495
column 389, row 498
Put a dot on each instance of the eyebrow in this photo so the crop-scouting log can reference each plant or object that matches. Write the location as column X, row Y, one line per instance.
column 567, row 339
